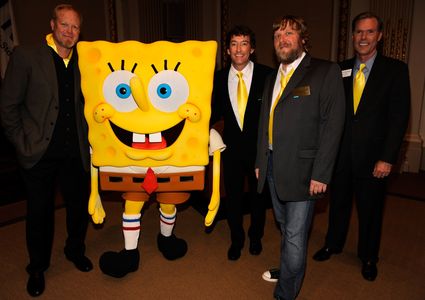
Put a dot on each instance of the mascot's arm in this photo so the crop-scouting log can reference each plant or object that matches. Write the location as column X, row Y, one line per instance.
column 95, row 203
column 216, row 147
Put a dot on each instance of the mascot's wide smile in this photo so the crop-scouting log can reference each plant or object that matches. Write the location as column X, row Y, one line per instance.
column 152, row 141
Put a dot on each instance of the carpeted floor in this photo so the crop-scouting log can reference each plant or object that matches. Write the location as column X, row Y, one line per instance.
column 205, row 272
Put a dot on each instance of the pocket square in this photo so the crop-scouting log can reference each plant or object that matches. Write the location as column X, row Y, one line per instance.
column 301, row 91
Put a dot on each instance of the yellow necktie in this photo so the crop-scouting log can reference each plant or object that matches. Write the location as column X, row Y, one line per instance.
column 359, row 83
column 242, row 98
column 283, row 82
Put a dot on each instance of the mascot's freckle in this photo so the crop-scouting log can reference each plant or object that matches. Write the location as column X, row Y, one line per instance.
column 148, row 108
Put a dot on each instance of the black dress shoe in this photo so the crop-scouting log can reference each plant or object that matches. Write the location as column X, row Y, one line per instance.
column 35, row 285
column 234, row 252
column 369, row 270
column 255, row 247
column 82, row 263
column 325, row 253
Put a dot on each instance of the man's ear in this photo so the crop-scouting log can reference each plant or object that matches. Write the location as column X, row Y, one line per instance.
column 380, row 36
column 251, row 51
column 52, row 24
column 228, row 51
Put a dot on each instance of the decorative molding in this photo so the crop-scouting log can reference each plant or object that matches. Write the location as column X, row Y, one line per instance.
column 344, row 29
column 397, row 17
column 224, row 29
column 112, row 21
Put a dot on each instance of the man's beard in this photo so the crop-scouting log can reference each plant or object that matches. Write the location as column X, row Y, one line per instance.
column 289, row 57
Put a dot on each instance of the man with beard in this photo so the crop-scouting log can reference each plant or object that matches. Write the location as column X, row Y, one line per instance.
column 41, row 109
column 301, row 122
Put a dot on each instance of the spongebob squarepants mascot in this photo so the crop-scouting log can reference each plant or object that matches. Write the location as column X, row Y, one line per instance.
column 148, row 108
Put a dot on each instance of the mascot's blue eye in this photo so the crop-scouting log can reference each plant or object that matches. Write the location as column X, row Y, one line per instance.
column 168, row 90
column 163, row 90
column 123, row 91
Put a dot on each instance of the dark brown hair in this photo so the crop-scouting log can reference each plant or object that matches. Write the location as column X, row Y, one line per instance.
column 296, row 23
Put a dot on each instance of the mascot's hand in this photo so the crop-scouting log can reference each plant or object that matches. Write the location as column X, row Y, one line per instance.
column 96, row 209
column 212, row 208
column 218, row 146
column 95, row 203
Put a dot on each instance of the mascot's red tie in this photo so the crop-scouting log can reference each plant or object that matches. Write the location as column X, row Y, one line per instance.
column 150, row 184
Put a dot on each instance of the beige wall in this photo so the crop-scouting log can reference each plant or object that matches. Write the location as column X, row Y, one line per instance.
column 32, row 19
column 259, row 15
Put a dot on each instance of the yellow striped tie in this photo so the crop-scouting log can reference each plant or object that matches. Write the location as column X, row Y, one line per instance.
column 242, row 97
column 359, row 83
column 283, row 82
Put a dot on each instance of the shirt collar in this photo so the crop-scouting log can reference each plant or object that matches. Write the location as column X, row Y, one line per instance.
column 294, row 65
column 245, row 71
column 368, row 63
column 51, row 43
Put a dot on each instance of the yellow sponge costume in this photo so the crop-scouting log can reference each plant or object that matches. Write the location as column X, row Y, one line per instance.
column 148, row 108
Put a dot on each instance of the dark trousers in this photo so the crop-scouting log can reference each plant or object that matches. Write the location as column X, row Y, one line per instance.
column 40, row 182
column 235, row 172
column 369, row 194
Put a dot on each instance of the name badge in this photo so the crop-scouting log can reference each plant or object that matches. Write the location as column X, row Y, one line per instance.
column 346, row 73
column 301, row 91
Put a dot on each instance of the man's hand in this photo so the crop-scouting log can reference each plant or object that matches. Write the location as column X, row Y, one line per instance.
column 382, row 169
column 317, row 187
column 257, row 172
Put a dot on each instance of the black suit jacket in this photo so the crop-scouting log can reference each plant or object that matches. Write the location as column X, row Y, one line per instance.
column 29, row 104
column 239, row 143
column 377, row 129
column 307, row 127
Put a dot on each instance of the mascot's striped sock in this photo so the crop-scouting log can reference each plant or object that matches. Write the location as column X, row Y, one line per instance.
column 131, row 230
column 167, row 222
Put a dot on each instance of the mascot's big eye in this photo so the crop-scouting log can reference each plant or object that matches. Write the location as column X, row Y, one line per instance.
column 168, row 90
column 117, row 91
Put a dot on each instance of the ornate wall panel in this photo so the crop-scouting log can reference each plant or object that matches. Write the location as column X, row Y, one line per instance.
column 397, row 17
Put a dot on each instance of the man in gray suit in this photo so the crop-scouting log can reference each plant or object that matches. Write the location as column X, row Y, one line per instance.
column 41, row 109
column 301, row 122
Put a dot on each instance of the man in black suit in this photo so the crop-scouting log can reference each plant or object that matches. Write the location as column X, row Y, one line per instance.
column 41, row 110
column 373, row 133
column 301, row 122
column 240, row 135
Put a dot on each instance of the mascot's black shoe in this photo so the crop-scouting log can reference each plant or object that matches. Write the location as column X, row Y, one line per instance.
column 119, row 264
column 171, row 246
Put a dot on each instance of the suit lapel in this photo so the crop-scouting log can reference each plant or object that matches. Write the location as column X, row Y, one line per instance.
column 371, row 83
column 296, row 77
column 47, row 65
column 348, row 86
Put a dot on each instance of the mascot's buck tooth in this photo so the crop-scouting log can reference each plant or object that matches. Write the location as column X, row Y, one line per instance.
column 148, row 108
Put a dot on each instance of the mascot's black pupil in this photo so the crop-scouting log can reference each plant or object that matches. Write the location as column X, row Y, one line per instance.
column 123, row 91
column 163, row 90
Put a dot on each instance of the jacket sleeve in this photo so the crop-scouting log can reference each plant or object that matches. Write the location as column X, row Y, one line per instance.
column 332, row 115
column 398, row 114
column 12, row 97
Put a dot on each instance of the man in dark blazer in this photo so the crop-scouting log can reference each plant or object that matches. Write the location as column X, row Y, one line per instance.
column 301, row 122
column 371, row 141
column 41, row 109
column 240, row 136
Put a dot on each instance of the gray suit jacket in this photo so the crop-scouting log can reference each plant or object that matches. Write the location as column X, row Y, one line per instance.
column 29, row 104
column 307, row 127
